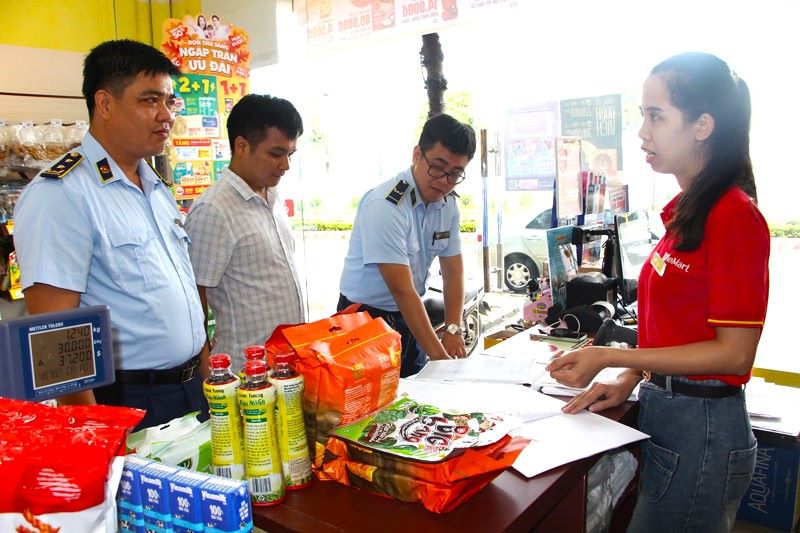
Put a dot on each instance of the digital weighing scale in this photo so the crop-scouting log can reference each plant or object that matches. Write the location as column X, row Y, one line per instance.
column 53, row 354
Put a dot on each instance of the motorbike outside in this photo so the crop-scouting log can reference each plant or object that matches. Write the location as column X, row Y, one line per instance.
column 474, row 307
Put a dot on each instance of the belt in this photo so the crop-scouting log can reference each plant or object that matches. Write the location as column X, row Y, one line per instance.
column 177, row 375
column 690, row 389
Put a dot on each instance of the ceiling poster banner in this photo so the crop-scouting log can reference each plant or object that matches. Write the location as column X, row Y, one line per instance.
column 334, row 22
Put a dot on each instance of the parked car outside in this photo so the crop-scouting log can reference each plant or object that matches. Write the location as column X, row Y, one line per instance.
column 525, row 251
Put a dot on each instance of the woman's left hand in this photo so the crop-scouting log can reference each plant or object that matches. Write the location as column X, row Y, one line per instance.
column 601, row 396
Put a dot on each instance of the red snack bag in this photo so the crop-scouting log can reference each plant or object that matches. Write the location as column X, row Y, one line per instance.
column 56, row 465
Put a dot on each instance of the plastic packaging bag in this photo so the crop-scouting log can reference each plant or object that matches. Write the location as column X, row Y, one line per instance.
column 351, row 366
column 61, row 465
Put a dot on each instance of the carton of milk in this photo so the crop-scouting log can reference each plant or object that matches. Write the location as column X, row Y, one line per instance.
column 130, row 515
column 184, row 501
column 154, row 488
column 226, row 505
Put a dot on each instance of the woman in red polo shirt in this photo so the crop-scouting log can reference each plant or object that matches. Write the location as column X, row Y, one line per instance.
column 702, row 303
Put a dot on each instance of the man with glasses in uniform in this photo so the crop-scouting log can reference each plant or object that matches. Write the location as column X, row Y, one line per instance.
column 400, row 227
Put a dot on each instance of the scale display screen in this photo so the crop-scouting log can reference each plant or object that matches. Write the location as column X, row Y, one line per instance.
column 62, row 354
column 57, row 353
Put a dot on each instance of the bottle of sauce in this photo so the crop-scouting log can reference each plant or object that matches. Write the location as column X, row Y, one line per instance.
column 291, row 426
column 263, row 470
column 227, row 455
column 254, row 353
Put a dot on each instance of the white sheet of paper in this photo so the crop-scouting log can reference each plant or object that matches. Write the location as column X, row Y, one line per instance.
column 496, row 398
column 521, row 345
column 485, row 368
column 518, row 359
column 773, row 407
column 561, row 439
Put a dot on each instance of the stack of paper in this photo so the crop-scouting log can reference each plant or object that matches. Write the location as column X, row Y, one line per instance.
column 492, row 381
column 773, row 407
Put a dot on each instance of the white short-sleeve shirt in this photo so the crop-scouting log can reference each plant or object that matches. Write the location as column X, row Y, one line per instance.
column 394, row 226
column 94, row 232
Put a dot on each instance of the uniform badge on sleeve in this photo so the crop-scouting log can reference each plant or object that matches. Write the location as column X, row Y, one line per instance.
column 63, row 166
column 396, row 194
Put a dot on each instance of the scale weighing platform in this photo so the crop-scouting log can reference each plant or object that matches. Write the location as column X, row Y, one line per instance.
column 53, row 354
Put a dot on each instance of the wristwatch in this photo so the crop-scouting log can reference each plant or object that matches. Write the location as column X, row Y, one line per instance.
column 453, row 329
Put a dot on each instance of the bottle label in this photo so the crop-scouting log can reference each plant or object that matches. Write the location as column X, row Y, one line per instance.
column 262, row 454
column 227, row 457
column 292, row 432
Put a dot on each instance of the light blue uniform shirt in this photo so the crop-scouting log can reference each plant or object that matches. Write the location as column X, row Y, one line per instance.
column 393, row 225
column 95, row 232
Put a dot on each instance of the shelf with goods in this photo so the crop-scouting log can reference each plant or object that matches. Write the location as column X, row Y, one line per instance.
column 26, row 148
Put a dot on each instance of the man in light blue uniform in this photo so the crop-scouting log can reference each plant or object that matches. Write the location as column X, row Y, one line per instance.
column 101, row 227
column 400, row 227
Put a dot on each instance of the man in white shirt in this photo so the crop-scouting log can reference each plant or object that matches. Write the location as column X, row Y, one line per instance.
column 242, row 247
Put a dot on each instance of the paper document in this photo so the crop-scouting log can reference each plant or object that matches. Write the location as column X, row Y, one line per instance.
column 773, row 407
column 496, row 398
column 561, row 439
column 521, row 345
column 548, row 385
column 518, row 359
column 480, row 367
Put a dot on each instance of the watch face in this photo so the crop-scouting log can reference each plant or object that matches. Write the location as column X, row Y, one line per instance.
column 453, row 329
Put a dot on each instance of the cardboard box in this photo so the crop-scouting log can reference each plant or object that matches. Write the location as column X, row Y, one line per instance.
column 773, row 499
column 498, row 337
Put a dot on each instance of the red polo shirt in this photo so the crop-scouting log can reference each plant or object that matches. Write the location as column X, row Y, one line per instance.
column 684, row 296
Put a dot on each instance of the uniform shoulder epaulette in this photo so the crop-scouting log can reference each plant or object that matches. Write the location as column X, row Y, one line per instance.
column 63, row 166
column 396, row 194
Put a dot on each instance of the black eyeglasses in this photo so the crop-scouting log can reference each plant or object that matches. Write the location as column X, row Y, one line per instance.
column 453, row 177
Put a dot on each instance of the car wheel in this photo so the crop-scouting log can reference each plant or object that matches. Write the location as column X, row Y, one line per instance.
column 472, row 330
column 519, row 269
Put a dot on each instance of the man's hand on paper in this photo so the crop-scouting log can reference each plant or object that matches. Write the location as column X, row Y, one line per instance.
column 454, row 345
column 602, row 396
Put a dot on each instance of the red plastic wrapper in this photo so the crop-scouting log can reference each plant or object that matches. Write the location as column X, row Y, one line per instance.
column 57, row 460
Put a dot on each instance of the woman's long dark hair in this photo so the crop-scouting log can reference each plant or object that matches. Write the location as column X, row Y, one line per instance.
column 702, row 83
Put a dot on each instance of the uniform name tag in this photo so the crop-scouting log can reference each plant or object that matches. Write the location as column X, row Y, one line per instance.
column 438, row 235
column 658, row 263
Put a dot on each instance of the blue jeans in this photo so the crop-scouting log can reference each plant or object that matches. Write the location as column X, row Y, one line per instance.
column 697, row 465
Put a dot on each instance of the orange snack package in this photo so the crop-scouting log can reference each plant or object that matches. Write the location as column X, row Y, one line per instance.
column 351, row 366
column 440, row 486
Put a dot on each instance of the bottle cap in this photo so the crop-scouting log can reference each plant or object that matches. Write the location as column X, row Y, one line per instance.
column 219, row 360
column 254, row 352
column 284, row 357
column 254, row 367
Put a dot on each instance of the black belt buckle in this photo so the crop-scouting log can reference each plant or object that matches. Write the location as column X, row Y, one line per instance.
column 188, row 373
